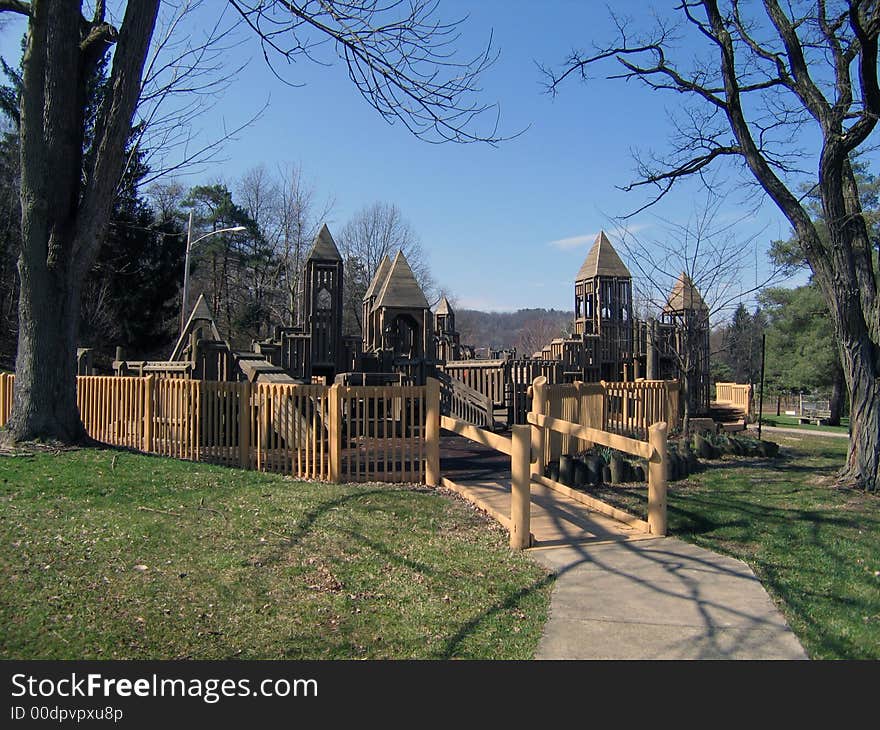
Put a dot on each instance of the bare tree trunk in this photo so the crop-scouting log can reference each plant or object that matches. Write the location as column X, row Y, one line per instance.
column 44, row 403
column 66, row 195
column 863, row 380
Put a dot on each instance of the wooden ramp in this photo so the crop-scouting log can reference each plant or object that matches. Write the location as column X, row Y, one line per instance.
column 555, row 518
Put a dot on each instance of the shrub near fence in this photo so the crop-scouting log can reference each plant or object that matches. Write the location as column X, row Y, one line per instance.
column 306, row 431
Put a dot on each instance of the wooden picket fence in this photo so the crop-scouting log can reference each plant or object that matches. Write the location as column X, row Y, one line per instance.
column 307, row 431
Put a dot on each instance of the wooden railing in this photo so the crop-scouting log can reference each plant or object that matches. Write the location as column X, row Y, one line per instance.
column 654, row 450
column 517, row 446
column 459, row 400
column 734, row 395
column 484, row 376
column 626, row 408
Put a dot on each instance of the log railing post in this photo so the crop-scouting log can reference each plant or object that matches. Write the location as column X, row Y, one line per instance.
column 149, row 384
column 335, row 432
column 432, row 433
column 539, row 401
column 244, row 424
column 657, row 479
column 520, row 496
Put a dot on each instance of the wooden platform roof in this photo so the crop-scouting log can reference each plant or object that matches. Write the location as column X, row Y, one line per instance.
column 602, row 260
column 400, row 288
column 444, row 307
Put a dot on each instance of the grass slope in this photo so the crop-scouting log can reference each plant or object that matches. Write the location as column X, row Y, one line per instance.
column 116, row 555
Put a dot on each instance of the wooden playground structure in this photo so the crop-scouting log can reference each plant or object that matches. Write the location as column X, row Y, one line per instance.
column 313, row 403
column 404, row 342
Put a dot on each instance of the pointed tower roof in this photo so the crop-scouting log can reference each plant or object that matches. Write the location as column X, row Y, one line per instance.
column 401, row 288
column 201, row 313
column 602, row 260
column 444, row 307
column 378, row 278
column 324, row 247
column 684, row 296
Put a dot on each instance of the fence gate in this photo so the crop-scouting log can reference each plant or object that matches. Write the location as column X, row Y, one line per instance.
column 381, row 432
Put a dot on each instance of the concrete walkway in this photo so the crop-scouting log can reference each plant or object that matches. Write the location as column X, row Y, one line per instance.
column 658, row 598
column 622, row 594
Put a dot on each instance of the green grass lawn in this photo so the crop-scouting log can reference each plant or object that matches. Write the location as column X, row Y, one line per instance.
column 116, row 555
column 814, row 547
column 792, row 422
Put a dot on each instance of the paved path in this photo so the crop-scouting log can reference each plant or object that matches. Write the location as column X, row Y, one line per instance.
column 658, row 598
column 621, row 594
column 753, row 430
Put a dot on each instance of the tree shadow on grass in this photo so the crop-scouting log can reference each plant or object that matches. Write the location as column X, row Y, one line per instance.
column 510, row 602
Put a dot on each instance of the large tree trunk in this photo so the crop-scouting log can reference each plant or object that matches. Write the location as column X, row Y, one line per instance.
column 67, row 193
column 860, row 368
column 44, row 403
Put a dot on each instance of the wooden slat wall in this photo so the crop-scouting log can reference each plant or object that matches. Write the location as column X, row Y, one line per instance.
column 112, row 409
column 734, row 394
column 383, row 433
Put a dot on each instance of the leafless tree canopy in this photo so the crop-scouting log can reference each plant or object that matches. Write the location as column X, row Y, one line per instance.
column 374, row 232
column 400, row 55
column 769, row 73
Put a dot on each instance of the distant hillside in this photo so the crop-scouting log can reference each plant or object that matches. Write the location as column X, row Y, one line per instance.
column 526, row 329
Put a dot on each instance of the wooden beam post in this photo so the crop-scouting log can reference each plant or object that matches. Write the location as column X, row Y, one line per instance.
column 657, row 479
column 432, row 433
column 335, row 432
column 539, row 401
column 149, row 385
column 244, row 424
column 2, row 399
column 520, row 495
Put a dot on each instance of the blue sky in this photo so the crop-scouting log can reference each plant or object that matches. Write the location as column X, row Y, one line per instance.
column 504, row 227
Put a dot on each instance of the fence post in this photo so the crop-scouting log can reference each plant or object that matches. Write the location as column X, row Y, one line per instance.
column 244, row 424
column 657, row 479
column 432, row 433
column 520, row 488
column 539, row 402
column 149, row 383
column 3, row 399
column 335, row 432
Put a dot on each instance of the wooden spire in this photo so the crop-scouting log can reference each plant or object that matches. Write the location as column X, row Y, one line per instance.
column 602, row 260
column 378, row 278
column 444, row 307
column 685, row 297
column 400, row 288
column 324, row 247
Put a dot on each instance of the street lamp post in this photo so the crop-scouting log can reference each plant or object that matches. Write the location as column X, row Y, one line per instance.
column 189, row 244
